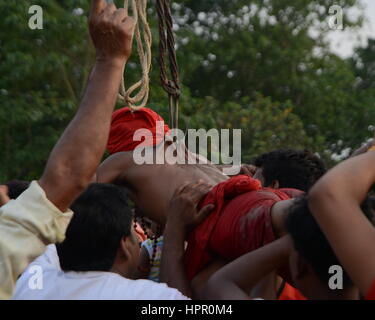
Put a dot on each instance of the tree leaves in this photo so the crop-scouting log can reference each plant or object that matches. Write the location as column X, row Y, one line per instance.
column 252, row 65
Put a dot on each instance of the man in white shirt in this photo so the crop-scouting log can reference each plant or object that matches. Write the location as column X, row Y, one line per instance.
column 100, row 253
column 56, row 284
column 40, row 215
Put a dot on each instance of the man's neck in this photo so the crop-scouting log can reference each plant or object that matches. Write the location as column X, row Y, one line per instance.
column 123, row 271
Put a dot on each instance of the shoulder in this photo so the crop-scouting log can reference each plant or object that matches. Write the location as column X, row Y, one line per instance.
column 292, row 193
column 263, row 198
column 268, row 197
column 114, row 166
column 118, row 159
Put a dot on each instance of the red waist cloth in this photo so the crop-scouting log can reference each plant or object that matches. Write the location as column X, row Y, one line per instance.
column 240, row 223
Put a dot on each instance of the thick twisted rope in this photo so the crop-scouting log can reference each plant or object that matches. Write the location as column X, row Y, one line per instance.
column 167, row 47
column 140, row 99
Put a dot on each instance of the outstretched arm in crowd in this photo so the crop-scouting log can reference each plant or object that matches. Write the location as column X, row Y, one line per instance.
column 36, row 218
column 77, row 154
column 335, row 203
column 183, row 217
column 236, row 280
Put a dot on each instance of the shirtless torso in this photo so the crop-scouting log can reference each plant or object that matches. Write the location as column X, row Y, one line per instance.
column 151, row 186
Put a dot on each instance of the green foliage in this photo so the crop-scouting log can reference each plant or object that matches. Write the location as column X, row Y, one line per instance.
column 252, row 65
column 265, row 125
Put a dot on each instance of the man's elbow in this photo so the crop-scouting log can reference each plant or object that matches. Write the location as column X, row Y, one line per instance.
column 320, row 195
column 67, row 179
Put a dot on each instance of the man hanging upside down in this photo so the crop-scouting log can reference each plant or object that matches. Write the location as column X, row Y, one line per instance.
column 246, row 215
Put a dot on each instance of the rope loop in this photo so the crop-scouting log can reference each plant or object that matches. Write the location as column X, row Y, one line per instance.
column 136, row 101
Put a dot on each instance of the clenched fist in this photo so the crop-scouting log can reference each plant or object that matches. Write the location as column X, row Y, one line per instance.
column 111, row 31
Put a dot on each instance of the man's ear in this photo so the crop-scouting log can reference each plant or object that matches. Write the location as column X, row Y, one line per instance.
column 125, row 245
column 275, row 184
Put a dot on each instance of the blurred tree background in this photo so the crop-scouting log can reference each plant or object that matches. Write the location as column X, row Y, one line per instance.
column 263, row 66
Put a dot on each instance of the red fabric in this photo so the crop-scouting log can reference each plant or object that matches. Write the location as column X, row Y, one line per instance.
column 371, row 293
column 241, row 222
column 124, row 125
column 291, row 293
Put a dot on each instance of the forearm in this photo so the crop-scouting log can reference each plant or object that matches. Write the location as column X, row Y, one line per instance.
column 336, row 198
column 77, row 154
column 335, row 203
column 172, row 270
column 237, row 279
column 352, row 178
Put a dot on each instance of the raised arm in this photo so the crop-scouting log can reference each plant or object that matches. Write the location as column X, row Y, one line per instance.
column 30, row 223
column 77, row 154
column 335, row 203
column 237, row 279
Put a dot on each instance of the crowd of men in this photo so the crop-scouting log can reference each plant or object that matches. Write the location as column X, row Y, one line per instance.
column 119, row 230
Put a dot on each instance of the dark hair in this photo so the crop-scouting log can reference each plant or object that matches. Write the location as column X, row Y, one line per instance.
column 310, row 242
column 16, row 187
column 298, row 169
column 368, row 208
column 101, row 219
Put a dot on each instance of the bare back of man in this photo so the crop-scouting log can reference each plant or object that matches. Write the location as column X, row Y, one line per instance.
column 151, row 186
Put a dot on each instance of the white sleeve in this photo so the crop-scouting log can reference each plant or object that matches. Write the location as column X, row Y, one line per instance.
column 27, row 225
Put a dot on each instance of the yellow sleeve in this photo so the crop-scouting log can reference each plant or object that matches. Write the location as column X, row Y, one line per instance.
column 27, row 226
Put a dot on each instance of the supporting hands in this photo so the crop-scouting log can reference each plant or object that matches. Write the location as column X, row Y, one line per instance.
column 248, row 169
column 183, row 214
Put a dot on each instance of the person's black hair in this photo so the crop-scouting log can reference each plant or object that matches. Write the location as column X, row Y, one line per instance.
column 16, row 188
column 368, row 208
column 310, row 242
column 298, row 169
column 101, row 219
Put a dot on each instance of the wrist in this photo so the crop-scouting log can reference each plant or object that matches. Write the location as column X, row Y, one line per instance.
column 175, row 232
column 117, row 62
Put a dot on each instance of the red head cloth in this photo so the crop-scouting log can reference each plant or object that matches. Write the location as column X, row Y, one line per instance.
column 125, row 123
